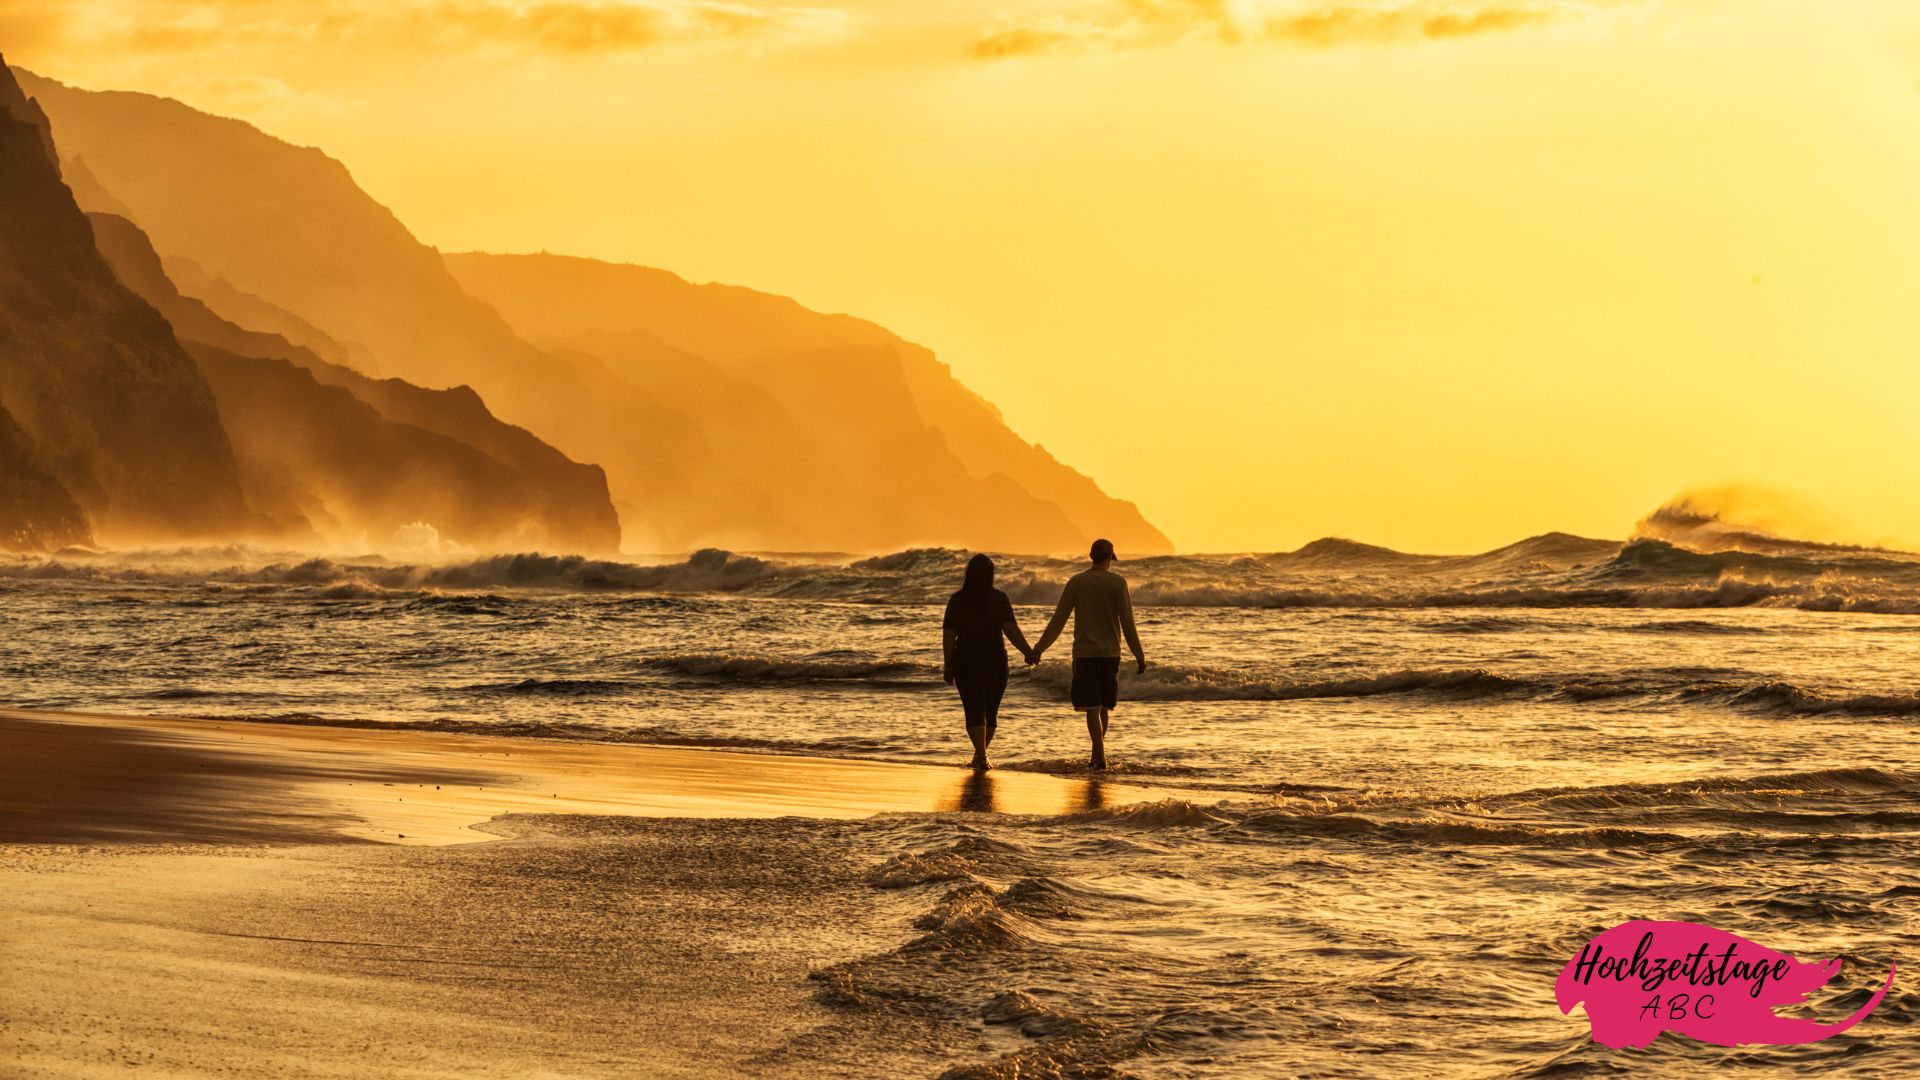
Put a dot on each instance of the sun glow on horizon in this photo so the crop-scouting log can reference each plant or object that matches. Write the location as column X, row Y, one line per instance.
column 1434, row 277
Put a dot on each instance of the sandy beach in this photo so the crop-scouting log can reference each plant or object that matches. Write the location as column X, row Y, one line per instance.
column 197, row 897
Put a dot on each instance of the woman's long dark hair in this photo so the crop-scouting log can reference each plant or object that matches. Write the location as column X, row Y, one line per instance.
column 979, row 582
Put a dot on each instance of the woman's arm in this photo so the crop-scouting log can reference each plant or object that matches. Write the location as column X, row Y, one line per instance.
column 1019, row 639
column 1058, row 623
column 949, row 637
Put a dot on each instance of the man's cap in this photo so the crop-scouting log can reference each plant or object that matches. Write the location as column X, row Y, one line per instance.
column 1102, row 549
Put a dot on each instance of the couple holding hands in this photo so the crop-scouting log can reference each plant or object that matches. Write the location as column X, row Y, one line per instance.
column 980, row 620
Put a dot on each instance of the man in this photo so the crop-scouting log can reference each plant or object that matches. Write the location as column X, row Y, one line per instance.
column 1102, row 611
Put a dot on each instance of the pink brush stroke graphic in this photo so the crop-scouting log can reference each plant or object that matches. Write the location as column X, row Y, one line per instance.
column 1641, row 978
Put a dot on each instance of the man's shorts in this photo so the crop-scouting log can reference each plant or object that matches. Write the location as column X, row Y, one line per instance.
column 1096, row 682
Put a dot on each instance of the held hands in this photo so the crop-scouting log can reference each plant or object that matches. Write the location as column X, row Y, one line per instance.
column 1143, row 665
column 1032, row 657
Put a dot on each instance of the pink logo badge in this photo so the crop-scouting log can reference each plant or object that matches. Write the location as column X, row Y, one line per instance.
column 1641, row 978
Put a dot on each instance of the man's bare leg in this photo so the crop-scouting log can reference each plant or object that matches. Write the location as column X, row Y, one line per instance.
column 1104, row 713
column 1097, row 733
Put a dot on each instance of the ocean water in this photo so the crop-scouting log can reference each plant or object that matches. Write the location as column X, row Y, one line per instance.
column 1418, row 784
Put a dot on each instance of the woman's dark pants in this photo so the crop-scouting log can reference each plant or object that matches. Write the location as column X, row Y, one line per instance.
column 982, row 681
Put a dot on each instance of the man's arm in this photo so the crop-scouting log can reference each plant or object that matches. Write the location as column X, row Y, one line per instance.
column 1058, row 623
column 1126, row 626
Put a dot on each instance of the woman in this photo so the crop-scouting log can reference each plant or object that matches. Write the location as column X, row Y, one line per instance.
column 978, row 616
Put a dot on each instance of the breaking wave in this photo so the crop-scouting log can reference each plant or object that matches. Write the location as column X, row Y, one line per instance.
column 1785, row 697
column 1678, row 560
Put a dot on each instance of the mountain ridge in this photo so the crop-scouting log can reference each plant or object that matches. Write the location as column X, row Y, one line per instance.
column 91, row 376
column 564, row 298
column 303, row 426
column 285, row 229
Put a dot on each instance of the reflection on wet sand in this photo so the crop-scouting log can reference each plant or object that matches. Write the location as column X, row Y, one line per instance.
column 1093, row 795
column 70, row 776
column 976, row 794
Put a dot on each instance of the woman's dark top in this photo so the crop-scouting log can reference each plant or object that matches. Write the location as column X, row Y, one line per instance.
column 978, row 620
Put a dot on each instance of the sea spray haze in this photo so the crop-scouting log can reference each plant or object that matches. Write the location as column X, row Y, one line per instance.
column 330, row 453
column 1419, row 784
column 719, row 415
column 122, row 420
column 104, row 411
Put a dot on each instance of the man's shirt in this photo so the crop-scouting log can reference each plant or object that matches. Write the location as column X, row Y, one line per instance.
column 1102, row 611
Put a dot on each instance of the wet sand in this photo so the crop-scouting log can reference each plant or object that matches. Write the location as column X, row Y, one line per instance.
column 74, row 777
column 194, row 897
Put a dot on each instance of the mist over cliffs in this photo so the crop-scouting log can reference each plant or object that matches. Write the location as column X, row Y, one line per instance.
column 132, row 413
column 37, row 512
column 327, row 451
column 721, row 416
column 105, row 413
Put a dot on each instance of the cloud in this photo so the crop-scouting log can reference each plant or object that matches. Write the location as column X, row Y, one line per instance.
column 575, row 27
column 1345, row 25
column 27, row 25
column 564, row 27
column 1012, row 39
column 1124, row 24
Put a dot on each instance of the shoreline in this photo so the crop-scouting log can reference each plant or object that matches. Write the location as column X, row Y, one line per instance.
column 96, row 778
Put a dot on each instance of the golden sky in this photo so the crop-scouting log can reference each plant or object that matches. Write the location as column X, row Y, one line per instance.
column 1436, row 275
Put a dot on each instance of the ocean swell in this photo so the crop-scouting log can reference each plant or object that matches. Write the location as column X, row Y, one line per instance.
column 1554, row 571
column 765, row 669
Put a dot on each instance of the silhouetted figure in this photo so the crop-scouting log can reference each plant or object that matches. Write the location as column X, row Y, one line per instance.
column 979, row 618
column 1102, row 610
